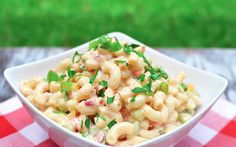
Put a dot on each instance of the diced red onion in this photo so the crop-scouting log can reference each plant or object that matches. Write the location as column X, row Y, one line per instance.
column 89, row 103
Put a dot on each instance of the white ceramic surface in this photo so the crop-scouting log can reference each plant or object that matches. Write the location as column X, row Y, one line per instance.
column 209, row 86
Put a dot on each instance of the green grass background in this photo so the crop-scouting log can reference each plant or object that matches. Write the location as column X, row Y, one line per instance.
column 165, row 23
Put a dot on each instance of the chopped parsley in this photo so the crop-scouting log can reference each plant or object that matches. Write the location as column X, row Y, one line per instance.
column 87, row 124
column 100, row 116
column 147, row 88
column 156, row 76
column 58, row 112
column 140, row 54
column 133, row 99
column 127, row 49
column 111, row 124
column 115, row 46
column 92, row 79
column 103, row 83
column 82, row 128
column 134, row 46
column 103, row 117
column 184, row 86
column 164, row 87
column 52, row 76
column 141, row 78
column 100, row 93
column 158, row 73
column 104, row 39
column 70, row 72
column 76, row 57
column 164, row 74
column 62, row 76
column 93, row 45
column 122, row 61
column 138, row 90
column 110, row 99
column 105, row 42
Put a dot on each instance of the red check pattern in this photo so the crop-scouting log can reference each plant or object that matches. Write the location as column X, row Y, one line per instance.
column 216, row 129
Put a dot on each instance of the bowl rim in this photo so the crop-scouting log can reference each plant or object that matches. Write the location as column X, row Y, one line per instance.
column 200, row 113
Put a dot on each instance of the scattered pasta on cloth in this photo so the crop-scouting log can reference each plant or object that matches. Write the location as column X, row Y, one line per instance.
column 216, row 129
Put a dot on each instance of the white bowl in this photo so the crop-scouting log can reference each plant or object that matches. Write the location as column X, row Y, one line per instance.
column 209, row 86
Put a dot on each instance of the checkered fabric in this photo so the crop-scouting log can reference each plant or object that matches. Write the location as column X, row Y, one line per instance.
column 216, row 129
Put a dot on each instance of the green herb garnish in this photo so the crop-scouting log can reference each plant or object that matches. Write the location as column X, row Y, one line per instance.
column 62, row 76
column 164, row 87
column 156, row 76
column 127, row 49
column 184, row 86
column 133, row 99
column 82, row 128
column 92, row 79
column 134, row 46
column 103, row 83
column 100, row 93
column 122, row 61
column 140, row 54
column 105, row 42
column 110, row 99
column 164, row 74
column 111, row 124
column 101, row 116
column 58, row 112
column 141, row 78
column 87, row 124
column 104, row 39
column 70, row 72
column 93, row 45
column 66, row 86
column 138, row 90
column 157, row 73
column 115, row 46
column 147, row 89
column 52, row 76
column 76, row 57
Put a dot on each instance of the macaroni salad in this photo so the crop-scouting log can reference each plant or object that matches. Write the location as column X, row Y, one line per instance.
column 113, row 94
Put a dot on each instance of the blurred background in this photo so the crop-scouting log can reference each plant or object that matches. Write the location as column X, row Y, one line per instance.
column 161, row 23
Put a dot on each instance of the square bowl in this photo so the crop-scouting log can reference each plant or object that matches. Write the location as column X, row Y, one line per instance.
column 209, row 86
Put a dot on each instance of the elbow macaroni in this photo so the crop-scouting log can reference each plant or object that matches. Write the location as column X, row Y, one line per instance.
column 99, row 88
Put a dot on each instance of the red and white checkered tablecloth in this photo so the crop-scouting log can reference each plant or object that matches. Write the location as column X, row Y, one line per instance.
column 216, row 129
